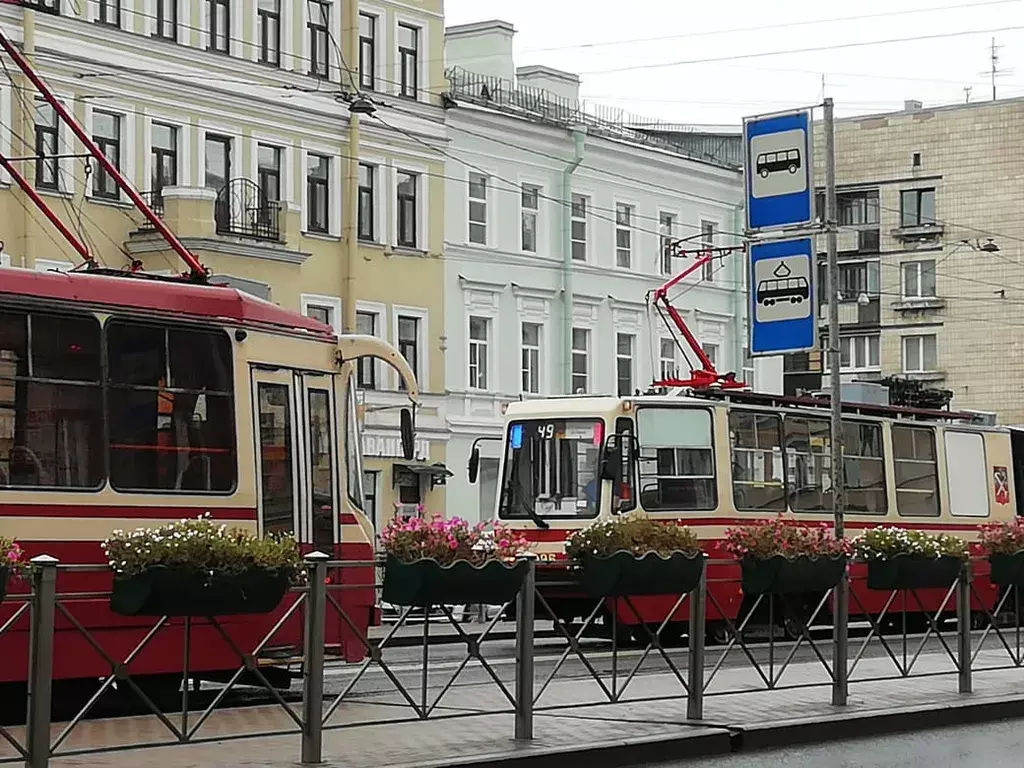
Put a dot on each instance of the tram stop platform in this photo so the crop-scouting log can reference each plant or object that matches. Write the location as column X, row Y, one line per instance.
column 466, row 729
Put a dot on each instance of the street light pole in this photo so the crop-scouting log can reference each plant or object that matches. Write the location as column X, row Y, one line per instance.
column 841, row 597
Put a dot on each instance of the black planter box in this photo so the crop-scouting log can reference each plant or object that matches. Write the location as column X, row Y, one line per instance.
column 1007, row 570
column 623, row 574
column 780, row 575
column 913, row 572
column 162, row 591
column 426, row 582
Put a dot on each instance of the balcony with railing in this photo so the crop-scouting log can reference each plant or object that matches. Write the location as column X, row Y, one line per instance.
column 242, row 209
column 155, row 200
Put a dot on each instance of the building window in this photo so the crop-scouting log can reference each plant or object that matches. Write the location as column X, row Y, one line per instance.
column 580, row 360
column 106, row 132
column 220, row 25
column 854, row 279
column 409, row 343
column 371, row 499
column 858, row 353
column 268, row 171
column 579, row 228
column 917, row 207
column 167, row 19
column 269, row 12
column 623, row 235
column 918, row 279
column 531, row 358
column 530, row 202
column 920, row 354
column 164, row 161
column 479, row 330
column 367, row 186
column 109, row 12
column 366, row 369
column 625, row 344
column 711, row 350
column 477, row 208
column 367, row 51
column 917, row 471
column 47, row 147
column 666, row 232
column 218, row 161
column 326, row 310
column 408, row 54
column 708, row 230
column 407, row 209
column 318, row 176
column 858, row 208
column 319, row 24
column 667, row 358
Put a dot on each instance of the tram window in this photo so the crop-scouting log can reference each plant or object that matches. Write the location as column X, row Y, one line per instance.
column 864, row 468
column 353, row 449
column 277, row 485
column 51, row 401
column 677, row 462
column 321, row 471
column 968, row 495
column 758, row 471
column 170, row 409
column 917, row 471
column 808, row 463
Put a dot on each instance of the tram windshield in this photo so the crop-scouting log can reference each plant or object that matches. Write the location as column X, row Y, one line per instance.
column 551, row 469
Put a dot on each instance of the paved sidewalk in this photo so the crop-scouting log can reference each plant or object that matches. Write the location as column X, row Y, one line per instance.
column 470, row 728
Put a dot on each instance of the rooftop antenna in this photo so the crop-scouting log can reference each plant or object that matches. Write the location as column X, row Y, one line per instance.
column 967, row 93
column 994, row 71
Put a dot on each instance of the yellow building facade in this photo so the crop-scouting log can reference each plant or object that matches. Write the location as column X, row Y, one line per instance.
column 294, row 146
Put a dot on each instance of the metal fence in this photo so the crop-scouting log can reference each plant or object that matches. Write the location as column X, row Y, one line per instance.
column 690, row 671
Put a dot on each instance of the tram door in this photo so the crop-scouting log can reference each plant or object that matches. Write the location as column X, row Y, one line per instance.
column 296, row 456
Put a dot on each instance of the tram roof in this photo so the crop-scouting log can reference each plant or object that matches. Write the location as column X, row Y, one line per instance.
column 159, row 295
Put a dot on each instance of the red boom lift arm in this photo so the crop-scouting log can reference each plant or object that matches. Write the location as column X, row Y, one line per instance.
column 706, row 375
column 197, row 271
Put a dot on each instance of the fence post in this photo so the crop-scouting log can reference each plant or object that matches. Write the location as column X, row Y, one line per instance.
column 963, row 627
column 841, row 640
column 40, row 661
column 695, row 660
column 524, row 650
column 313, row 659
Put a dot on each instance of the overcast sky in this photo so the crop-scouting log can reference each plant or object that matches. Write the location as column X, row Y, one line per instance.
column 645, row 55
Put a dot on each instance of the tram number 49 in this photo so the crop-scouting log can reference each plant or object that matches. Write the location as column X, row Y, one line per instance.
column 546, row 431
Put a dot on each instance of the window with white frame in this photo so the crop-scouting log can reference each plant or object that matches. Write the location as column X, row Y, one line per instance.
column 408, row 60
column 166, row 19
column 268, row 14
column 219, row 15
column 918, row 279
column 531, row 357
column 708, row 230
column 367, row 197
column 406, row 207
column 711, row 350
column 106, row 133
column 666, row 232
column 920, row 353
column 164, row 158
column 667, row 359
column 580, row 360
column 623, row 235
column 367, row 51
column 579, row 228
column 479, row 332
column 407, row 332
column 625, row 353
column 218, row 152
column 318, row 185
column 748, row 367
column 858, row 353
column 326, row 309
column 366, row 369
column 109, row 12
column 47, row 146
column 477, row 208
column 530, row 202
column 319, row 31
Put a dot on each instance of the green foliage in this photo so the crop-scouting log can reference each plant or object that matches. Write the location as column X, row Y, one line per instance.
column 632, row 533
column 1005, row 538
column 200, row 545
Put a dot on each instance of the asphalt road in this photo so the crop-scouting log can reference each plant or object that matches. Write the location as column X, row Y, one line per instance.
column 993, row 745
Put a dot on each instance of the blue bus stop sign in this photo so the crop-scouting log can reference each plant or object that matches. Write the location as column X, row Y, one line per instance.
column 779, row 170
column 783, row 316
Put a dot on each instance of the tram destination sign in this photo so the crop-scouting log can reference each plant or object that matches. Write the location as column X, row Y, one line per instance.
column 778, row 170
column 782, row 297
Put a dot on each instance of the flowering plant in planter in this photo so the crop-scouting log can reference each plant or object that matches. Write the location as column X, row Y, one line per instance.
column 199, row 568
column 1004, row 545
column 12, row 562
column 635, row 555
column 783, row 555
column 450, row 562
column 899, row 558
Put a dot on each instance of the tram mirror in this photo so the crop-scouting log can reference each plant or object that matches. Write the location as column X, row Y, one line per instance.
column 474, row 464
column 408, row 436
column 611, row 462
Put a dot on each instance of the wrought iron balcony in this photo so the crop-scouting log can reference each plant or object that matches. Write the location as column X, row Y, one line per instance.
column 154, row 200
column 243, row 209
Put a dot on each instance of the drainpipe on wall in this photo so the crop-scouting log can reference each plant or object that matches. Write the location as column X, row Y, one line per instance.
column 578, row 138
column 351, row 193
column 739, row 295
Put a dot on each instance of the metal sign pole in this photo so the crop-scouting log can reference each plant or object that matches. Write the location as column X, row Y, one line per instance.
column 842, row 593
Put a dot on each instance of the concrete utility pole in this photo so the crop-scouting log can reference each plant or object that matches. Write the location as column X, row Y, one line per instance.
column 842, row 592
